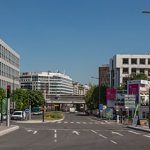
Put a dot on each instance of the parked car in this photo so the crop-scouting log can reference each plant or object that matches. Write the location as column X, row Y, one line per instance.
column 18, row 115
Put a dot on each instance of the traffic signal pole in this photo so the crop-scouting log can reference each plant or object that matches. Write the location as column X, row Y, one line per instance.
column 8, row 105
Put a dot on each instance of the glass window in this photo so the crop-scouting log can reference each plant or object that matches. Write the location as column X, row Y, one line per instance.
column 142, row 61
column 133, row 61
column 149, row 61
column 133, row 70
column 125, row 61
column 125, row 70
column 142, row 70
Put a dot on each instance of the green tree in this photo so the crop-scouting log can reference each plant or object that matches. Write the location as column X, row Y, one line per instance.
column 103, row 94
column 91, row 97
column 20, row 97
column 140, row 76
column 2, row 96
column 36, row 98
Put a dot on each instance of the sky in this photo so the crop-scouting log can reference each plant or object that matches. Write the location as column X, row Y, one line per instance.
column 74, row 36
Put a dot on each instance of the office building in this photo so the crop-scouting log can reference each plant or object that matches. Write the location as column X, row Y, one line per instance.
column 9, row 66
column 122, row 66
column 49, row 83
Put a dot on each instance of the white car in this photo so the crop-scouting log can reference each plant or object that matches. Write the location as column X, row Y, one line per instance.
column 18, row 115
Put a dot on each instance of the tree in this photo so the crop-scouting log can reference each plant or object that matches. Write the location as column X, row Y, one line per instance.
column 36, row 98
column 91, row 97
column 140, row 76
column 103, row 94
column 2, row 96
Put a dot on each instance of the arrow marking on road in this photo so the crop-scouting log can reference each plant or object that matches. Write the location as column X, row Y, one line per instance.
column 117, row 133
column 76, row 132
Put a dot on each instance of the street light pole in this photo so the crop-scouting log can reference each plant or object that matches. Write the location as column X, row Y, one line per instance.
column 148, row 12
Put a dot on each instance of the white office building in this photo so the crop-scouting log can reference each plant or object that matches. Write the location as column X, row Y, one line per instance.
column 50, row 83
column 9, row 66
column 122, row 66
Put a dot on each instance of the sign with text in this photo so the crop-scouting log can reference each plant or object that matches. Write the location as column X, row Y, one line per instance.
column 129, row 101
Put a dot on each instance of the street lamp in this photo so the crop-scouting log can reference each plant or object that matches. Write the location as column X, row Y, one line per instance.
column 148, row 12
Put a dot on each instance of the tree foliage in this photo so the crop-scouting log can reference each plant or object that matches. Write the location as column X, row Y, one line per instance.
column 23, row 97
column 103, row 94
column 2, row 96
column 140, row 76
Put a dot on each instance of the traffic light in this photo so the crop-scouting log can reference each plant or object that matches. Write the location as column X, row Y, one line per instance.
column 8, row 91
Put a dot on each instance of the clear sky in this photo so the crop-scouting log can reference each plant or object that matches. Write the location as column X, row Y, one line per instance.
column 74, row 36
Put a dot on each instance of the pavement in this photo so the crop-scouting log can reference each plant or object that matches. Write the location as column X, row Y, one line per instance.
column 5, row 130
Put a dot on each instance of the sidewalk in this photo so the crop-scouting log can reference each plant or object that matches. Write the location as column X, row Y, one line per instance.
column 5, row 130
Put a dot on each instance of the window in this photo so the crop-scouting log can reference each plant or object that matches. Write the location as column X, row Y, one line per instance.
column 141, row 70
column 133, row 70
column 142, row 61
column 149, row 61
column 148, row 72
column 125, row 61
column 125, row 70
column 133, row 61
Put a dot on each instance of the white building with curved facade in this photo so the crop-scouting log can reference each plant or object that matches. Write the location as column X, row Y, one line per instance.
column 9, row 67
column 50, row 83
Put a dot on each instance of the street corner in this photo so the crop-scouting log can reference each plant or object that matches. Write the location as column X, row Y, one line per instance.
column 6, row 130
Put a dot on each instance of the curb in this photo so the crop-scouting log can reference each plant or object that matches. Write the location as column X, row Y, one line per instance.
column 140, row 129
column 39, row 121
column 10, row 129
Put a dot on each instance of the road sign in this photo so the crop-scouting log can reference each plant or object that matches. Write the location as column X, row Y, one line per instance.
column 27, row 110
column 129, row 101
column 100, row 106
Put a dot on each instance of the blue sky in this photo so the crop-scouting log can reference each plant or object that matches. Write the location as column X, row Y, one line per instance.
column 75, row 36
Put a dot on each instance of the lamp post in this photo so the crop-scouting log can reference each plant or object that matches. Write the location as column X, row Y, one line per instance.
column 148, row 12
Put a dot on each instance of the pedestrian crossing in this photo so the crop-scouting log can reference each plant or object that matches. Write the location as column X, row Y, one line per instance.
column 84, row 123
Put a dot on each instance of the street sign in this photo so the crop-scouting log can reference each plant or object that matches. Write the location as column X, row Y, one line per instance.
column 27, row 110
column 100, row 106
column 129, row 101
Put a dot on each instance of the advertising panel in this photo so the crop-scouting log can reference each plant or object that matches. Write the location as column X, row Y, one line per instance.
column 110, row 93
column 133, row 89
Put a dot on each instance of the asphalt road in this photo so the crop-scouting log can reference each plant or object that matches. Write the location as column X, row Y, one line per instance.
column 75, row 132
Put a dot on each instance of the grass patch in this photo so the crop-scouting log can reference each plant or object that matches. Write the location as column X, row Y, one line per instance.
column 53, row 115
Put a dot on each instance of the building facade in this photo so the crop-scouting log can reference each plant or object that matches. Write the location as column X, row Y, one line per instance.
column 9, row 66
column 79, row 89
column 49, row 83
column 104, row 75
column 122, row 66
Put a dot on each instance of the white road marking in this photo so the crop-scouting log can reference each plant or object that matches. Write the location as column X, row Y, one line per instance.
column 113, row 142
column 59, row 122
column 76, row 132
column 35, row 132
column 78, row 122
column 65, row 122
column 103, row 136
column 72, row 122
column 29, row 130
column 84, row 122
column 147, row 135
column 55, row 136
column 134, row 132
column 117, row 133
column 94, row 131
column 102, row 123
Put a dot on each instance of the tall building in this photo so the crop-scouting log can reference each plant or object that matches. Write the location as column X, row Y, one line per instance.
column 104, row 75
column 122, row 66
column 50, row 83
column 9, row 66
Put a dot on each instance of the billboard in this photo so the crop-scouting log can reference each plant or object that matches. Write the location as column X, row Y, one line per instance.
column 110, row 94
column 133, row 89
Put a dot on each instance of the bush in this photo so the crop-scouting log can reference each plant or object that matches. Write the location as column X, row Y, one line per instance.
column 53, row 115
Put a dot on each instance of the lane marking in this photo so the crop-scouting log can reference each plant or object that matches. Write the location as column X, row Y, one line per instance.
column 94, row 131
column 55, row 136
column 84, row 122
column 29, row 130
column 103, row 136
column 71, row 122
column 76, row 132
column 113, row 141
column 117, row 133
column 59, row 122
column 78, row 122
column 35, row 132
column 134, row 132
column 65, row 122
